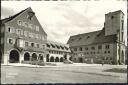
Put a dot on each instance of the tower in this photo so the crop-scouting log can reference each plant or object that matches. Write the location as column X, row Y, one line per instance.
column 114, row 25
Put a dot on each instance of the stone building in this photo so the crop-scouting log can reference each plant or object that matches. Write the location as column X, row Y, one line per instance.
column 22, row 38
column 57, row 52
column 106, row 45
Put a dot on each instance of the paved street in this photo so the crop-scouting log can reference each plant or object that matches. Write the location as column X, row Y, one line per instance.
column 61, row 74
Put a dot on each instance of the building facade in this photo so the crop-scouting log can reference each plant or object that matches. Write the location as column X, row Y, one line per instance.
column 103, row 46
column 22, row 38
column 57, row 52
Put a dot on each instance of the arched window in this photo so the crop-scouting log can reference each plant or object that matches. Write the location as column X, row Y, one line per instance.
column 56, row 59
column 14, row 56
column 26, row 56
column 52, row 59
column 34, row 56
column 61, row 59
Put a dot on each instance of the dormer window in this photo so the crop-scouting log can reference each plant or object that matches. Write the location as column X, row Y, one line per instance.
column 30, row 15
column 19, row 22
column 88, row 37
column 112, row 17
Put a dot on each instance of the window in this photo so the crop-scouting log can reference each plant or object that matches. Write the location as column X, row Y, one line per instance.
column 32, row 44
column 99, row 47
column 43, row 46
column 80, row 48
column 9, row 29
column 21, row 32
column 122, row 21
column 18, row 32
column 87, row 52
column 26, row 43
column 107, row 47
column 110, row 58
column 93, row 48
column 112, row 17
column 108, row 51
column 30, row 26
column 98, row 52
column 37, row 45
column 88, row 37
column 25, row 24
column 86, row 48
column 37, row 28
column 10, row 41
column 75, row 49
column 19, row 22
column 25, row 33
column 104, row 51
column 48, row 45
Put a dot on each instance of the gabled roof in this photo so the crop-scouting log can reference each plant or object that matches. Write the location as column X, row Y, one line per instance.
column 12, row 17
column 90, row 38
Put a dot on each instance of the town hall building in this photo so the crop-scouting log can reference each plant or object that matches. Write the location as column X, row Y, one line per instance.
column 22, row 38
column 102, row 46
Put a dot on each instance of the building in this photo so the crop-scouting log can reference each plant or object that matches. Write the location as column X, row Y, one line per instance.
column 22, row 38
column 102, row 46
column 57, row 52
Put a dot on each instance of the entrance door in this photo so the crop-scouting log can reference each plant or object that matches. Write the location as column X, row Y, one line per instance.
column 80, row 60
column 14, row 56
column 26, row 56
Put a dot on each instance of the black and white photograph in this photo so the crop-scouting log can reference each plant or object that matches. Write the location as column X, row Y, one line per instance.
column 63, row 41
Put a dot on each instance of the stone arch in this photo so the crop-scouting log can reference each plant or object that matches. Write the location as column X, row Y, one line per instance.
column 34, row 56
column 61, row 59
column 26, row 56
column 14, row 56
column 52, row 59
column 57, row 59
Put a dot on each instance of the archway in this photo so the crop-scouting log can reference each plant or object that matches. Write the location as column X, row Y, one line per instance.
column 47, row 58
column 26, row 56
column 52, row 59
column 34, row 57
column 57, row 59
column 80, row 60
column 14, row 56
column 61, row 59
column 40, row 57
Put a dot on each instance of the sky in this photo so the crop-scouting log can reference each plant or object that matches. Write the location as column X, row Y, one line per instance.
column 62, row 19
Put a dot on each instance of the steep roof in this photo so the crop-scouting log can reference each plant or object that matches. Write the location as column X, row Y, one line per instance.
column 12, row 17
column 90, row 38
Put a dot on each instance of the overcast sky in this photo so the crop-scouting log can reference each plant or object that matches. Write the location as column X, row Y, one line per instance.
column 62, row 19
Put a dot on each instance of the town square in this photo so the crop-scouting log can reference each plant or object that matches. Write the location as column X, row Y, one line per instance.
column 63, row 42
